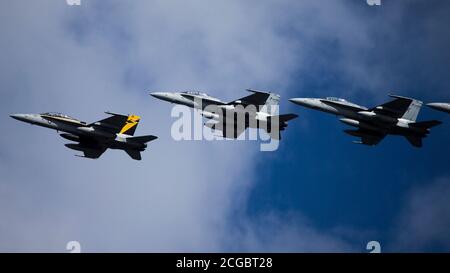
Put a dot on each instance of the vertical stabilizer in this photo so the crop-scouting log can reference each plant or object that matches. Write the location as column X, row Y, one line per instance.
column 271, row 104
column 413, row 110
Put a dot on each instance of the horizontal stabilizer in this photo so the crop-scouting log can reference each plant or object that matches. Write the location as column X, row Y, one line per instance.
column 282, row 118
column 426, row 124
column 136, row 155
column 416, row 141
column 275, row 135
column 287, row 117
column 142, row 139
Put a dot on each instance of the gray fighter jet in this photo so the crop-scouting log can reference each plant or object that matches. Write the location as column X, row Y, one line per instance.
column 223, row 114
column 444, row 107
column 115, row 132
column 397, row 117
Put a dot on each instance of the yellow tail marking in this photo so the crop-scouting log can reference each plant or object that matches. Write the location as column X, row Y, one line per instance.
column 132, row 121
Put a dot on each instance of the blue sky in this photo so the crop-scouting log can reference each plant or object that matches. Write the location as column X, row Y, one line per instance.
column 317, row 192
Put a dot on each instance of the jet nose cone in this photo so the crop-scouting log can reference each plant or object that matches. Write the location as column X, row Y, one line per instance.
column 21, row 117
column 440, row 106
column 159, row 95
column 434, row 104
column 300, row 101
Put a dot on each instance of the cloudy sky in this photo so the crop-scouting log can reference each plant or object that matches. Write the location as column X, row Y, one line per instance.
column 318, row 192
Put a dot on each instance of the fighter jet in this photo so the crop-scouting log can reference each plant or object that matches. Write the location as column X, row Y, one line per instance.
column 397, row 117
column 114, row 132
column 444, row 107
column 222, row 114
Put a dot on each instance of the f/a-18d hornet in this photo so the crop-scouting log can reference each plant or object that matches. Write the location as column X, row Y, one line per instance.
column 397, row 117
column 262, row 112
column 440, row 106
column 114, row 132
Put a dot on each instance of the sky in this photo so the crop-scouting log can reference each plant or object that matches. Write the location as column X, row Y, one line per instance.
column 317, row 193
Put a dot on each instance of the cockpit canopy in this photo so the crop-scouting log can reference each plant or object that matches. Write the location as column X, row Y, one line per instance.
column 58, row 115
column 336, row 99
column 346, row 102
column 196, row 93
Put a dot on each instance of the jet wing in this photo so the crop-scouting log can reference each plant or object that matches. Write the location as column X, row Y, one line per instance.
column 233, row 133
column 227, row 132
column 372, row 140
column 89, row 146
column 400, row 107
column 89, row 149
column 113, row 124
column 368, row 137
column 257, row 98
column 93, row 153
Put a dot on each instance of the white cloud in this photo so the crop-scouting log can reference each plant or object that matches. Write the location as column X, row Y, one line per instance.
column 287, row 232
column 424, row 221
